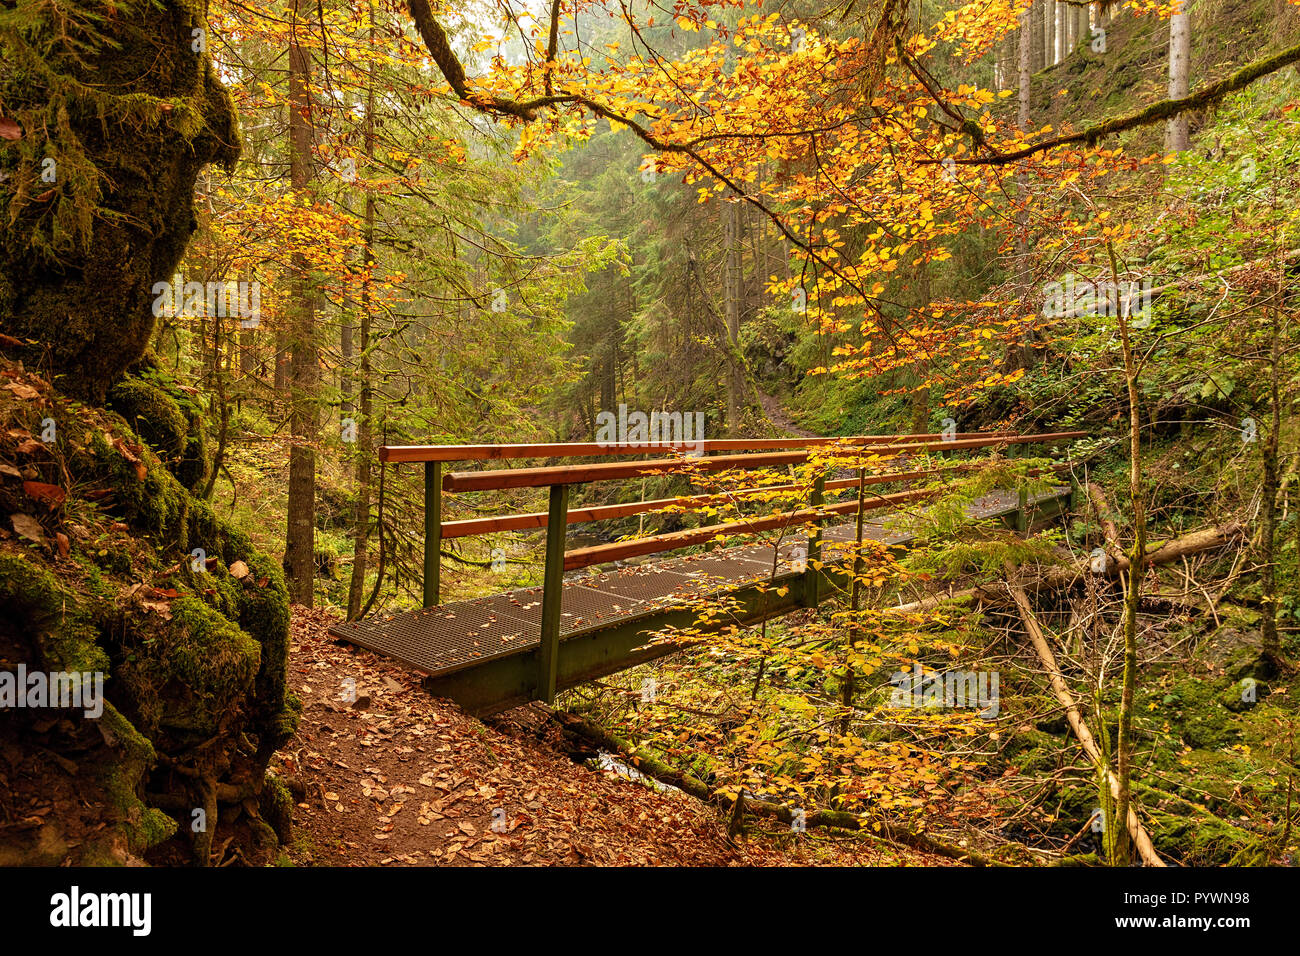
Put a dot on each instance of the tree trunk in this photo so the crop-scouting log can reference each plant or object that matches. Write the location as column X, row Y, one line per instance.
column 731, row 292
column 365, row 429
column 347, row 353
column 282, row 357
column 1037, row 55
column 1024, row 70
column 1272, row 647
column 1133, row 582
column 304, row 415
column 1133, row 827
column 1049, row 33
column 1023, row 264
column 921, row 393
column 1180, row 58
column 247, row 352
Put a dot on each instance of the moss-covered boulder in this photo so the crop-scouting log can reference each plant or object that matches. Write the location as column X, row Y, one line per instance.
column 110, row 566
column 168, row 420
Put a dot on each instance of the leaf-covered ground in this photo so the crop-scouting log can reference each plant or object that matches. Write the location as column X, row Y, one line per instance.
column 396, row 777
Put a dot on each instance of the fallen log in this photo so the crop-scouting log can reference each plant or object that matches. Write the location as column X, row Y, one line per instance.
column 929, row 603
column 1089, row 744
column 1101, row 510
column 650, row 765
column 1196, row 542
column 1207, row 539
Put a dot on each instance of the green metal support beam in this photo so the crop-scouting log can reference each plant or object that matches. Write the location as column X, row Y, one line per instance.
column 552, row 593
column 812, row 588
column 432, row 532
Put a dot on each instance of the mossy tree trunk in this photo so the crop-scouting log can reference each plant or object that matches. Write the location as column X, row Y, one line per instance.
column 123, row 101
column 1271, row 645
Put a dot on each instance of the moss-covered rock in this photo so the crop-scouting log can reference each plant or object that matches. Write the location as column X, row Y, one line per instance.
column 1206, row 840
column 142, row 591
column 168, row 421
column 118, row 96
column 65, row 637
column 1195, row 707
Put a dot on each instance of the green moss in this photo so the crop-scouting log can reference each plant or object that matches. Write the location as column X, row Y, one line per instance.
column 195, row 465
column 34, row 602
column 168, row 420
column 113, row 561
column 1081, row 859
column 131, row 113
column 153, row 415
column 283, row 724
column 196, row 682
column 156, row 504
column 1198, row 714
column 1206, row 840
column 154, row 828
column 1032, row 751
column 123, row 783
column 1077, row 803
column 214, row 661
column 276, row 807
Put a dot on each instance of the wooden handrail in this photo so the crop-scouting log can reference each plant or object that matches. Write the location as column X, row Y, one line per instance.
column 419, row 453
column 497, row 479
column 670, row 541
column 466, row 527
column 654, row 544
column 606, row 471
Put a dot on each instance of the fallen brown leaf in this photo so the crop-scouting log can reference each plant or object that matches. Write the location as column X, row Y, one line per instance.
column 51, row 495
column 28, row 527
column 24, row 392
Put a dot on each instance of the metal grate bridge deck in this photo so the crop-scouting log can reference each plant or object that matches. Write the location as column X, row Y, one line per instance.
column 450, row 640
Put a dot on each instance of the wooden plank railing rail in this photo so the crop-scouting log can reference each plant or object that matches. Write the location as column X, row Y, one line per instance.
column 765, row 453
column 397, row 454
column 466, row 527
column 673, row 540
column 502, row 478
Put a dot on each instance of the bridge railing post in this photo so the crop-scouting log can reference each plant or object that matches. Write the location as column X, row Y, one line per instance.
column 552, row 593
column 432, row 532
column 1022, row 495
column 812, row 576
